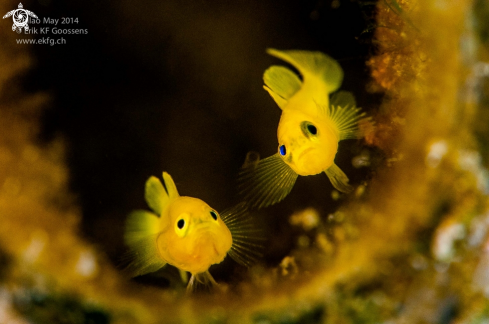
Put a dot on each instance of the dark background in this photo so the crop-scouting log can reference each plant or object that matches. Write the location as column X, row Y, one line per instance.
column 176, row 86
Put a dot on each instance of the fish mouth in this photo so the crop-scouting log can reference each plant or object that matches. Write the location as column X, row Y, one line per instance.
column 215, row 249
column 304, row 153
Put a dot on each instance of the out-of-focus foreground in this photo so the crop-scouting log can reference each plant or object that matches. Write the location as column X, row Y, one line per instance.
column 411, row 245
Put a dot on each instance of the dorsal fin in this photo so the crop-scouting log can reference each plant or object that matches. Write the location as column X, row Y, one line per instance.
column 343, row 99
column 281, row 83
column 155, row 194
column 171, row 188
column 313, row 64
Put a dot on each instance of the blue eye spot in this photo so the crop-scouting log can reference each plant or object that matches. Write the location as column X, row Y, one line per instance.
column 312, row 129
column 282, row 150
column 214, row 215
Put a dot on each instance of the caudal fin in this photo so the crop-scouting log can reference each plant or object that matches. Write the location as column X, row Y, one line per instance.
column 143, row 227
column 141, row 232
column 313, row 65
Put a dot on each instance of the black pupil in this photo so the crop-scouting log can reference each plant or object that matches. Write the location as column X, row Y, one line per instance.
column 181, row 223
column 214, row 215
column 312, row 129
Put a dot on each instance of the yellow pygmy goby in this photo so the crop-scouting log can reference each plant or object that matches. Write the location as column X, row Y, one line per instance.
column 186, row 233
column 309, row 129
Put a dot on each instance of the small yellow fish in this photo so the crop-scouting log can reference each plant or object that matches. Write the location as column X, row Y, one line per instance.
column 186, row 233
column 309, row 129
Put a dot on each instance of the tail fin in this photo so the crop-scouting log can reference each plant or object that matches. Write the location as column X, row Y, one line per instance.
column 313, row 64
column 142, row 230
column 202, row 282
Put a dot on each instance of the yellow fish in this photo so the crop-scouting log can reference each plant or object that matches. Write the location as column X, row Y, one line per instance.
column 186, row 233
column 309, row 129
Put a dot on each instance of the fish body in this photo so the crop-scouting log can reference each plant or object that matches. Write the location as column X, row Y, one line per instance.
column 309, row 143
column 185, row 232
column 310, row 127
column 201, row 242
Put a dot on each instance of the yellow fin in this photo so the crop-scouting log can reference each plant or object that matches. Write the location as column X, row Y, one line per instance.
column 247, row 236
column 281, row 102
column 342, row 98
column 281, row 83
column 171, row 188
column 338, row 179
column 315, row 64
column 267, row 183
column 346, row 119
column 201, row 282
column 142, row 229
column 155, row 195
column 183, row 275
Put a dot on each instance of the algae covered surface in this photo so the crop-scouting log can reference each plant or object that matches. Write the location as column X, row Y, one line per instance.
column 177, row 87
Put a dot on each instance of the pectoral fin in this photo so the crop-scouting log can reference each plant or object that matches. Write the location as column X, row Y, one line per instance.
column 247, row 236
column 267, row 183
column 281, row 83
column 338, row 179
column 345, row 115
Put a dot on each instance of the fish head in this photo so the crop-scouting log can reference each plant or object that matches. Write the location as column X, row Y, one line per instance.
column 307, row 143
column 196, row 236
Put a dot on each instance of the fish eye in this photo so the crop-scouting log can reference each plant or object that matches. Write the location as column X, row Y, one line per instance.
column 181, row 223
column 282, row 150
column 214, row 215
column 312, row 129
column 309, row 129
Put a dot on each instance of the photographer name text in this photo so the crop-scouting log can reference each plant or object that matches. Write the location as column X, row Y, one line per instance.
column 54, row 29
